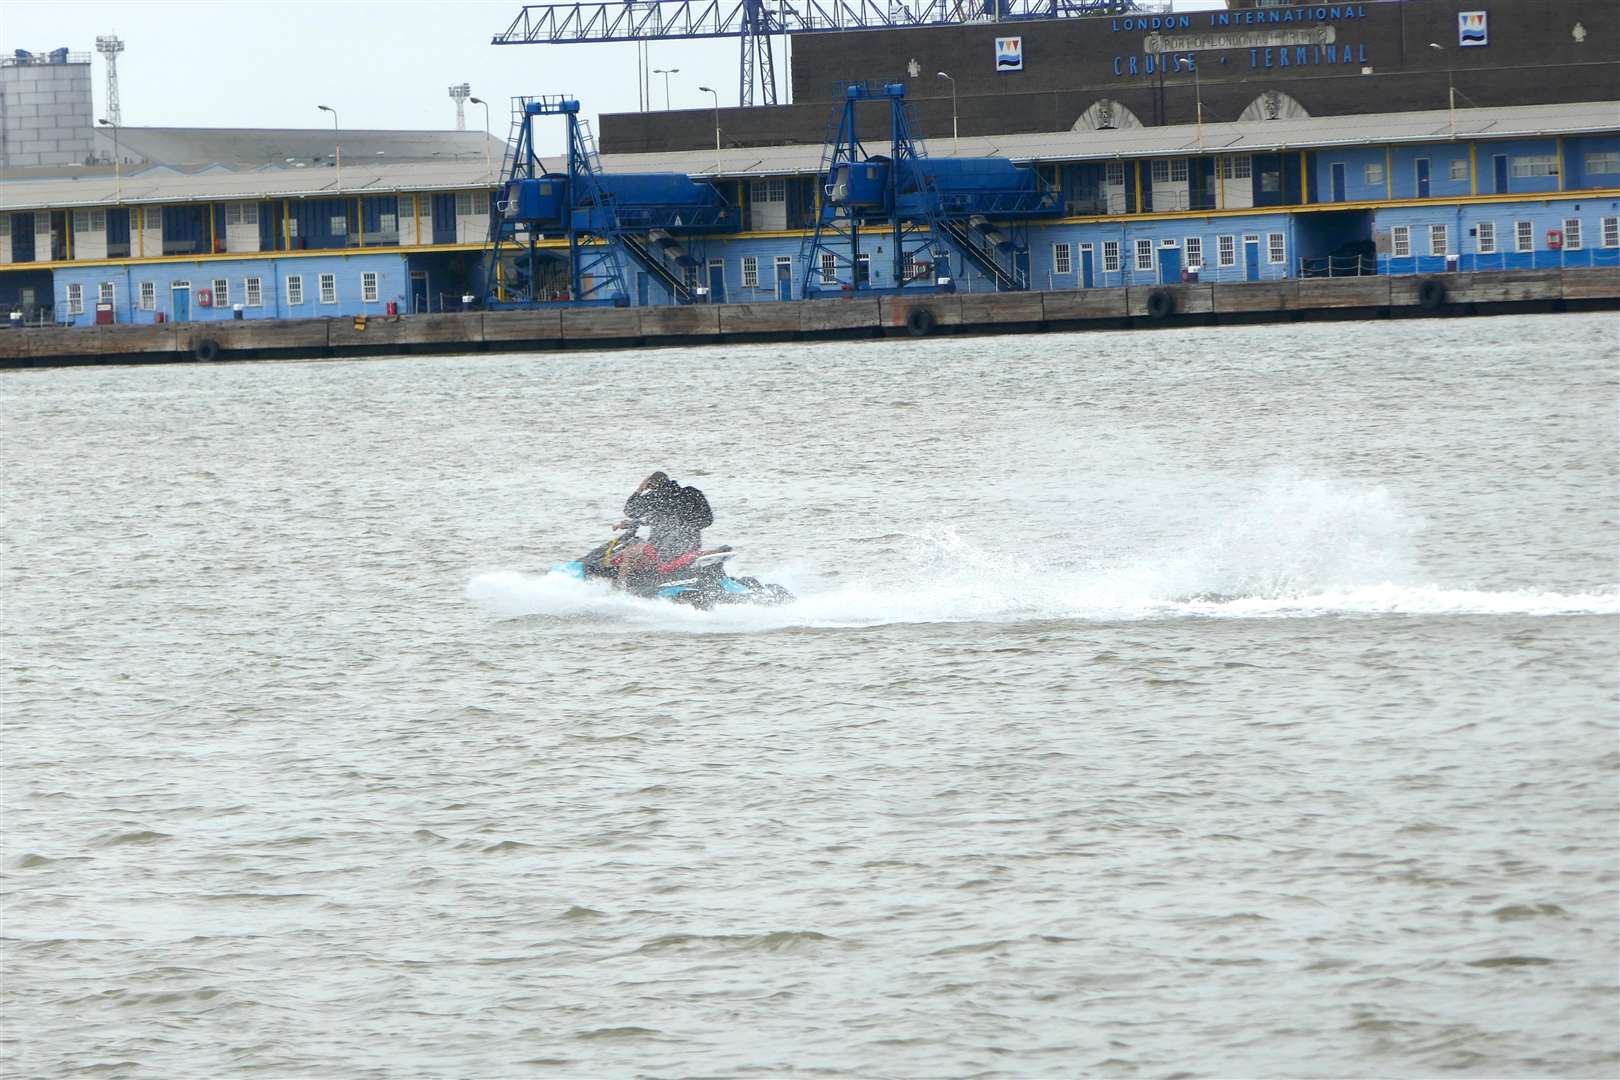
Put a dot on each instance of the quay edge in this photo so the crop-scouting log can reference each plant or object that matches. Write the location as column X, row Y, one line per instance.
column 562, row 328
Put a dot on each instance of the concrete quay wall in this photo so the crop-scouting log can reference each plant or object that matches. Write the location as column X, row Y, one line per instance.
column 563, row 328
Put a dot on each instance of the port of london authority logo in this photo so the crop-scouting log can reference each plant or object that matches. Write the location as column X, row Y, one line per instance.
column 1471, row 28
column 1009, row 54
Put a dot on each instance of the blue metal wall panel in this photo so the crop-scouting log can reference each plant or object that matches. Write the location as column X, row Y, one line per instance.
column 22, row 238
column 378, row 205
column 444, row 219
column 1576, row 152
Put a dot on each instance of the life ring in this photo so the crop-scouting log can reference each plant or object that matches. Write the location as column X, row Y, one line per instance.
column 1161, row 304
column 1431, row 294
column 205, row 350
column 920, row 322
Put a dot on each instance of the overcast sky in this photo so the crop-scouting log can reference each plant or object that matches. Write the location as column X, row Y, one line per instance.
column 380, row 65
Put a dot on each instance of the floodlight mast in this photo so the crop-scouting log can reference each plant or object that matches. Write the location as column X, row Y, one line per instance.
column 110, row 46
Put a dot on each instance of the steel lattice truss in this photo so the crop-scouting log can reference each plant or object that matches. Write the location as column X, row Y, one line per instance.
column 756, row 20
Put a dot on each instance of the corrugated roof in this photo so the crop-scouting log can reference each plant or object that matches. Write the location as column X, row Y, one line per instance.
column 370, row 176
column 1177, row 140
column 192, row 146
column 166, row 186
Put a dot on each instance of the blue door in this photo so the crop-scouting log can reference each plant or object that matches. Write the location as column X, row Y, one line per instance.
column 717, row 282
column 1338, row 181
column 1423, row 178
column 1087, row 271
column 641, row 288
column 1169, row 265
column 784, row 281
column 180, row 301
column 1021, row 266
column 1251, row 259
column 1500, row 164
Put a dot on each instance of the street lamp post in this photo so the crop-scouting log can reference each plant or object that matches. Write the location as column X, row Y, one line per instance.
column 328, row 108
column 118, row 174
column 716, row 94
column 955, row 145
column 666, row 73
column 1451, row 89
column 485, row 104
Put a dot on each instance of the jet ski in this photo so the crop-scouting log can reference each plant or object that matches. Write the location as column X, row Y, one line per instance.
column 698, row 579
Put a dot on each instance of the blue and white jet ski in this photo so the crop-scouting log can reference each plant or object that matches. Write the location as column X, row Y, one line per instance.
column 698, row 579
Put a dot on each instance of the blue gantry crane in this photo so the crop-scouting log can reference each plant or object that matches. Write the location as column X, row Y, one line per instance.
column 566, row 236
column 756, row 21
column 924, row 208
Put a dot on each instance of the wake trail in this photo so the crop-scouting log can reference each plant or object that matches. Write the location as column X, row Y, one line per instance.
column 1295, row 547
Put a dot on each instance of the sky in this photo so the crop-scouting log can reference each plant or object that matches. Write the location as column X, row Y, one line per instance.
column 235, row 63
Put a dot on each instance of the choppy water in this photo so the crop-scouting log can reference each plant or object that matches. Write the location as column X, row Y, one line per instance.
column 1233, row 702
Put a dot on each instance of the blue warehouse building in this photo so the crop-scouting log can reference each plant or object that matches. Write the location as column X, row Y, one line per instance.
column 403, row 224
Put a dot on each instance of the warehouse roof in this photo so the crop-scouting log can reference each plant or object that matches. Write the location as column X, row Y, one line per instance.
column 386, row 174
column 260, row 146
column 1179, row 140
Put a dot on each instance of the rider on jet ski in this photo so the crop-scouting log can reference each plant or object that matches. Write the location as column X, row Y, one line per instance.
column 675, row 516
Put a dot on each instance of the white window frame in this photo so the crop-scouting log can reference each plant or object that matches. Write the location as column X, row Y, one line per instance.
column 1572, row 234
column 1524, row 236
column 368, row 287
column 1144, row 255
column 1226, row 250
column 1110, row 256
column 222, row 292
column 241, row 213
column 750, row 270
column 75, row 298
column 829, row 268
column 1237, row 167
column 1610, row 232
column 1193, row 246
column 253, row 292
column 1373, row 173
column 1159, row 171
column 148, row 295
column 1178, row 170
column 689, row 275
column 1114, row 174
column 779, row 262
column 154, row 219
column 327, row 283
column 1062, row 259
column 1276, row 248
column 338, row 224
column 1485, row 238
column 768, row 190
column 106, row 294
column 1458, row 170
column 465, row 207
column 388, row 224
column 1603, row 161
column 295, row 290
column 1440, row 240
column 1533, row 165
column 1400, row 242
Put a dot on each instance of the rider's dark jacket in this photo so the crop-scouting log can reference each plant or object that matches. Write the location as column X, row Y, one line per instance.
column 676, row 517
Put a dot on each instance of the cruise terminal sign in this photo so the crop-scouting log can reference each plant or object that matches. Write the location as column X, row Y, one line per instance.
column 1273, row 38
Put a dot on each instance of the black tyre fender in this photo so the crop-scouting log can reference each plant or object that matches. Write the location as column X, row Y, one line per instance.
column 205, row 350
column 1161, row 304
column 920, row 322
column 1431, row 294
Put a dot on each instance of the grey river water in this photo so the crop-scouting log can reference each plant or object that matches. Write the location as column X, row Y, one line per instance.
column 1233, row 702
